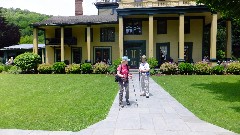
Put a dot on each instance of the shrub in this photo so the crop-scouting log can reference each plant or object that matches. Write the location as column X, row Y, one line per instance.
column 168, row 68
column 100, row 68
column 185, row 68
column 152, row 72
column 45, row 69
column 220, row 55
column 73, row 69
column 7, row 67
column 1, row 60
column 202, row 68
column 218, row 70
column 233, row 68
column 113, row 68
column 1, row 68
column 27, row 61
column 117, row 62
column 59, row 68
column 14, row 70
column 86, row 68
column 152, row 63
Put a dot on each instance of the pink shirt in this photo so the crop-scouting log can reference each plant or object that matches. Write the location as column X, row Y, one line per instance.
column 124, row 70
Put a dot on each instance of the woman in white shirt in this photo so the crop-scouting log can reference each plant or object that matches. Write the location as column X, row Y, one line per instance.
column 144, row 71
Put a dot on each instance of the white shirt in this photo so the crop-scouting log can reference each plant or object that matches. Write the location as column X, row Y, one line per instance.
column 144, row 66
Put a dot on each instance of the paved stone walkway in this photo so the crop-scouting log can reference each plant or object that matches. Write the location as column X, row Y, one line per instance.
column 160, row 114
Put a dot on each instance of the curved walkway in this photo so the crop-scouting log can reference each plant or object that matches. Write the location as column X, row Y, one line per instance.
column 160, row 114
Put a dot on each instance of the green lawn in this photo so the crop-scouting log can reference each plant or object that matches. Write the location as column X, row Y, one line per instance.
column 215, row 99
column 54, row 102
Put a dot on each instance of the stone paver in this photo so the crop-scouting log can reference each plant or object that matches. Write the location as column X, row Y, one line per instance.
column 160, row 114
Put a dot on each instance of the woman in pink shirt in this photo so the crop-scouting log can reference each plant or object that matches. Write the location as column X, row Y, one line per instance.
column 123, row 72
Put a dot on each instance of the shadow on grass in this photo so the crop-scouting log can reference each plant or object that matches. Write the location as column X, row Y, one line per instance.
column 237, row 109
column 225, row 91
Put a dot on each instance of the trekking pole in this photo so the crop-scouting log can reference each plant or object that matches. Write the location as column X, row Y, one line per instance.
column 136, row 103
column 139, row 81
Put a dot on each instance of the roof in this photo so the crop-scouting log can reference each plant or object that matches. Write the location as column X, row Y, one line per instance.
column 73, row 20
column 22, row 46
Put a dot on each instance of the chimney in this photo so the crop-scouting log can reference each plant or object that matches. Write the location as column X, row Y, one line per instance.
column 78, row 7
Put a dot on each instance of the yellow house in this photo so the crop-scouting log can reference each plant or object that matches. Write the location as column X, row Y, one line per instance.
column 168, row 30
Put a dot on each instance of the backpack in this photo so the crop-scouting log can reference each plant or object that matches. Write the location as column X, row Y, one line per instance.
column 117, row 78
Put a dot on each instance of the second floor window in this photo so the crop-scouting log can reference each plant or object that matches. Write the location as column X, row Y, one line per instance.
column 107, row 34
column 186, row 26
column 133, row 27
column 67, row 32
column 162, row 26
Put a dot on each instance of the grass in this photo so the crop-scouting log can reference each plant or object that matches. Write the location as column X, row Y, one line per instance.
column 215, row 99
column 54, row 102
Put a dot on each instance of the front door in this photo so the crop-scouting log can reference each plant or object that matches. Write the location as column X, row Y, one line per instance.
column 162, row 52
column 134, row 50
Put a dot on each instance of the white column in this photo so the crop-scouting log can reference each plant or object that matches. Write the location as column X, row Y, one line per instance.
column 120, row 36
column 89, row 43
column 213, row 36
column 35, row 40
column 62, row 44
column 181, row 38
column 150, row 36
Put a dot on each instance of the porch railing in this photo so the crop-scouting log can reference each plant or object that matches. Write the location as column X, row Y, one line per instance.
column 146, row 4
column 57, row 41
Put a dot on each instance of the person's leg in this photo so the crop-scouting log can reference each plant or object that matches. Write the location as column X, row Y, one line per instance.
column 143, row 85
column 126, row 85
column 121, row 89
column 147, row 86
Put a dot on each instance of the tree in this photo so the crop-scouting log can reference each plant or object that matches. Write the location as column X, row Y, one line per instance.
column 23, row 19
column 9, row 33
column 228, row 8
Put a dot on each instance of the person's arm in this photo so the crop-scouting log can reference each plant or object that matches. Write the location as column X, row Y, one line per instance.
column 147, row 67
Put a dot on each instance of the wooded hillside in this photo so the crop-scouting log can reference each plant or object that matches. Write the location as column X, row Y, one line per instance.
column 23, row 19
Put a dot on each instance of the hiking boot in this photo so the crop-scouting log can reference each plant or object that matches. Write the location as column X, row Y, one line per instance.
column 121, row 104
column 147, row 95
column 128, row 103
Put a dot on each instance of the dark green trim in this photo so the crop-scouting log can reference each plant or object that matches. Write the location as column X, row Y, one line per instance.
column 158, row 56
column 190, row 44
column 55, row 56
column 44, row 54
column 164, row 27
column 177, row 18
column 132, row 21
column 72, row 53
column 163, row 10
column 108, row 29
column 213, row 60
column 105, row 5
column 187, row 28
column 94, row 61
column 135, row 19
column 137, row 44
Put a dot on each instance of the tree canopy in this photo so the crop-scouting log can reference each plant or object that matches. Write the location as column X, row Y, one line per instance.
column 23, row 19
column 228, row 8
column 9, row 33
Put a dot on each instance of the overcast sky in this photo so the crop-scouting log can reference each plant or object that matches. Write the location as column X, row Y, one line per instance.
column 51, row 7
